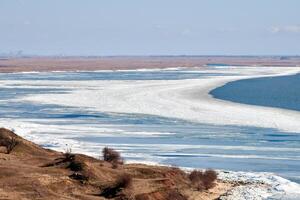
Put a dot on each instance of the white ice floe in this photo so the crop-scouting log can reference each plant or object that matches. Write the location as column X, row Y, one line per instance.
column 185, row 99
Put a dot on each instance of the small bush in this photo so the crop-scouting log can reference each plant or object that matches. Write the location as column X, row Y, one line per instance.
column 209, row 178
column 122, row 182
column 203, row 180
column 68, row 159
column 195, row 176
column 68, row 156
column 9, row 143
column 75, row 166
column 112, row 156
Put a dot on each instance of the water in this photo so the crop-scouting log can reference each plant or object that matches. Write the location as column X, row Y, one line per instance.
column 279, row 92
column 218, row 65
column 112, row 75
column 142, row 137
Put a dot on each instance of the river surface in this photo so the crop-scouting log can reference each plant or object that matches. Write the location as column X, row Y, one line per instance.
column 278, row 92
column 153, row 138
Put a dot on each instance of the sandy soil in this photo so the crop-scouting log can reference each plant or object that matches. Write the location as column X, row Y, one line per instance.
column 31, row 172
column 117, row 63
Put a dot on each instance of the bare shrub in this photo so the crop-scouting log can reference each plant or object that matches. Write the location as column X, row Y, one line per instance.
column 112, row 156
column 209, row 178
column 67, row 158
column 9, row 143
column 195, row 176
column 203, row 180
column 68, row 155
column 12, row 143
column 75, row 166
column 124, row 181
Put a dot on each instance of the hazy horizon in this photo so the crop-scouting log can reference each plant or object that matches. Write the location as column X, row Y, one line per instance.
column 150, row 28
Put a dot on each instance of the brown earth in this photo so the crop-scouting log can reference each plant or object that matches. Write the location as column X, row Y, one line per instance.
column 118, row 63
column 32, row 172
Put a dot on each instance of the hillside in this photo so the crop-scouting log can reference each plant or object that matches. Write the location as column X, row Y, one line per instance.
column 29, row 171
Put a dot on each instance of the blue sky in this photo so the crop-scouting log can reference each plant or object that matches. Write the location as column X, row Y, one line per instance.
column 150, row 27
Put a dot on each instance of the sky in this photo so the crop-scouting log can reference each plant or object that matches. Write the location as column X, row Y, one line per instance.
column 150, row 27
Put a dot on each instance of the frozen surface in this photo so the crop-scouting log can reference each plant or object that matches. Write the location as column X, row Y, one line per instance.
column 160, row 116
column 185, row 98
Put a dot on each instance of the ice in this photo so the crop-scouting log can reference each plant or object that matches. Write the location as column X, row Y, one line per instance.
column 184, row 99
column 260, row 186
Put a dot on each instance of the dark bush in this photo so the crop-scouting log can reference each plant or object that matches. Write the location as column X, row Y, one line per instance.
column 209, row 178
column 195, row 176
column 9, row 143
column 203, row 180
column 112, row 156
column 75, row 166
column 122, row 182
column 67, row 159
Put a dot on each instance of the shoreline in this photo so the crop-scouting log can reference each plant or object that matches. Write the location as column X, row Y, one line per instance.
column 229, row 185
column 47, row 64
column 251, row 174
column 27, row 127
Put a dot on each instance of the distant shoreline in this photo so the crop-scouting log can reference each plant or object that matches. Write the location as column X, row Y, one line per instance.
column 47, row 64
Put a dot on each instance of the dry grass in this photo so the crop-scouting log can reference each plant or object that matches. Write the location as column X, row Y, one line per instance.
column 65, row 178
column 166, row 194
column 80, row 177
column 175, row 195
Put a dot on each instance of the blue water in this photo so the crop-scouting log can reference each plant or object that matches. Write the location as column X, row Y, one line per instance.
column 177, row 142
column 111, row 75
column 217, row 65
column 279, row 92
